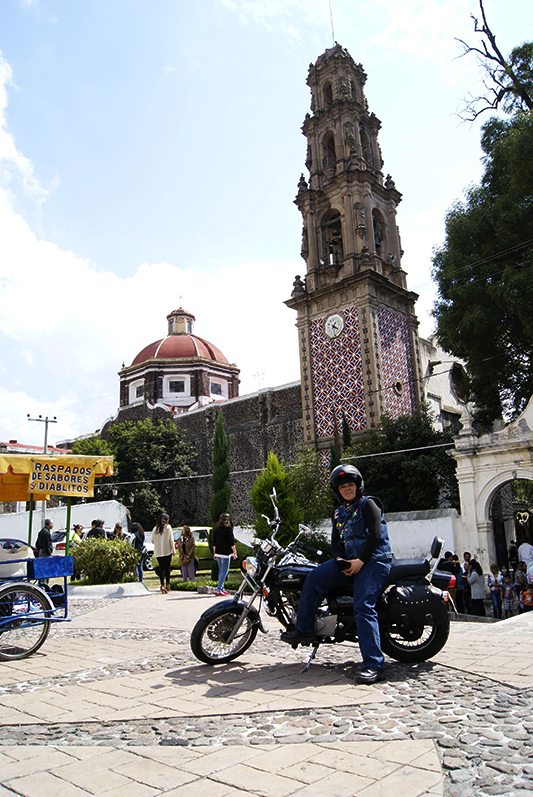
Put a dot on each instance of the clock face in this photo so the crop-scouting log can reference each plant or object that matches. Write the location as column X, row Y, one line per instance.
column 334, row 325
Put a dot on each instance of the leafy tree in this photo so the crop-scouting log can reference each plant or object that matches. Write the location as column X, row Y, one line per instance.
column 274, row 475
column 92, row 447
column 310, row 488
column 148, row 456
column 484, row 274
column 508, row 81
column 407, row 480
column 219, row 480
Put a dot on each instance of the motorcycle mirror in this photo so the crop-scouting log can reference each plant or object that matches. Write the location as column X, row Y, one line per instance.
column 305, row 530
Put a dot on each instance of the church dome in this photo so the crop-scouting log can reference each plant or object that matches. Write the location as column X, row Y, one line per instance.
column 179, row 373
column 180, row 347
column 180, row 343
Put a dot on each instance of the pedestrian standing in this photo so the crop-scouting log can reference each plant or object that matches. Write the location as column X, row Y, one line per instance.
column 223, row 549
column 138, row 543
column 44, row 544
column 495, row 582
column 186, row 546
column 508, row 597
column 467, row 558
column 520, row 584
column 477, row 588
column 163, row 550
column 513, row 556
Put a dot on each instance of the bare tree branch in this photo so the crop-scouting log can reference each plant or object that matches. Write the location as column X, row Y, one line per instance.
column 512, row 92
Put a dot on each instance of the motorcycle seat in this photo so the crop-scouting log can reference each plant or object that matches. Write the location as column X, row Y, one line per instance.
column 402, row 568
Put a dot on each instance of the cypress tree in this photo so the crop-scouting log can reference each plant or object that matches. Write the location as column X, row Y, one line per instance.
column 219, row 481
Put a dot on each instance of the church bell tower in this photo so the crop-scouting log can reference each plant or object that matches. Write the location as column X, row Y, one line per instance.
column 356, row 323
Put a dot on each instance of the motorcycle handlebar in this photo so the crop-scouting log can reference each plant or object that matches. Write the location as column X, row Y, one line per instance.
column 307, row 548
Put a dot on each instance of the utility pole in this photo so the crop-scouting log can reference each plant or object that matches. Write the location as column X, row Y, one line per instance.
column 46, row 421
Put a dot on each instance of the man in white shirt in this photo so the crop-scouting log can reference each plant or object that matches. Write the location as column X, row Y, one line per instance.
column 525, row 552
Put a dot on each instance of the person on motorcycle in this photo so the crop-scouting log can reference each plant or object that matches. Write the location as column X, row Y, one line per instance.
column 362, row 556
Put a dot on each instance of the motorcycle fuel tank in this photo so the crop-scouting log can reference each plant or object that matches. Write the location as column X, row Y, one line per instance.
column 292, row 576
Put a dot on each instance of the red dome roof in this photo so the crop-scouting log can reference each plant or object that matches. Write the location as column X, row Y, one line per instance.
column 179, row 347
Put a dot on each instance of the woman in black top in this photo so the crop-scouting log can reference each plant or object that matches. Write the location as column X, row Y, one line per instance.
column 223, row 549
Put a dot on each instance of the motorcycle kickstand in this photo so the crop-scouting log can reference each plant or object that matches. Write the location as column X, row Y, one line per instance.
column 311, row 657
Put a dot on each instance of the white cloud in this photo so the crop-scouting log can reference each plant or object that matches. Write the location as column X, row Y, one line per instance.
column 12, row 162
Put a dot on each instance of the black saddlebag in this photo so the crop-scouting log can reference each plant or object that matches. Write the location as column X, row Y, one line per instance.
column 415, row 602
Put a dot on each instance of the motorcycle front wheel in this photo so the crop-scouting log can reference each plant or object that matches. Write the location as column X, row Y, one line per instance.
column 209, row 637
column 414, row 644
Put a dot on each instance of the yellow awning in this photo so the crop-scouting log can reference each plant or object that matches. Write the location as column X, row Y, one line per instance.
column 68, row 475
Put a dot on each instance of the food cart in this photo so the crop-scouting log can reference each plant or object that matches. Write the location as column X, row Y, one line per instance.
column 27, row 608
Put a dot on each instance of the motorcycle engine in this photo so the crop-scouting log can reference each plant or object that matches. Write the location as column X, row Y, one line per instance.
column 325, row 624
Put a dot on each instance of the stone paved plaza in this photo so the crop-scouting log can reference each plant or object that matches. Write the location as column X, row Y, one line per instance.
column 116, row 704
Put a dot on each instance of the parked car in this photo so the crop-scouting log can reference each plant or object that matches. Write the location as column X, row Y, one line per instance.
column 10, row 543
column 148, row 544
column 203, row 556
column 59, row 539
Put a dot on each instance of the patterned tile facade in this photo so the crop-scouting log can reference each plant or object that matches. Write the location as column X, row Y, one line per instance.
column 397, row 366
column 337, row 375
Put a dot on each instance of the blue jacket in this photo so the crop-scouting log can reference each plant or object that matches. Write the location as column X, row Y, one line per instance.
column 350, row 533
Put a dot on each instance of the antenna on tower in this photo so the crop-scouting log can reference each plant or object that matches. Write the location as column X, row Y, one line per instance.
column 331, row 22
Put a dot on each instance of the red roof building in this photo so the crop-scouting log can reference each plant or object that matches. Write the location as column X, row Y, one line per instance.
column 180, row 371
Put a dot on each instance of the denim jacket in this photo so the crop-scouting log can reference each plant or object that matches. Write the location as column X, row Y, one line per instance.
column 351, row 530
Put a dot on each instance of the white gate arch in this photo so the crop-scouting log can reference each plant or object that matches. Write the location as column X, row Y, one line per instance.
column 484, row 464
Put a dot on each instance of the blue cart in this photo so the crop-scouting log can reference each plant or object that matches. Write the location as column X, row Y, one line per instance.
column 28, row 609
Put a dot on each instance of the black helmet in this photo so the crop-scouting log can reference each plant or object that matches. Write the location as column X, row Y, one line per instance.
column 344, row 473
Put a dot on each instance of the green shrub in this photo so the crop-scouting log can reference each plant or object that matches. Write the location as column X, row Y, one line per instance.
column 104, row 561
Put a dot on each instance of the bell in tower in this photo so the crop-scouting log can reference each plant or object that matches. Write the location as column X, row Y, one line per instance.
column 357, row 327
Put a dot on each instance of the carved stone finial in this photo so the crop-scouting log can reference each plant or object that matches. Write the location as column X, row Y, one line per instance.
column 302, row 184
column 298, row 286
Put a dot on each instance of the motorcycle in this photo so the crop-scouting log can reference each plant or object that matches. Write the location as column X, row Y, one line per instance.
column 412, row 608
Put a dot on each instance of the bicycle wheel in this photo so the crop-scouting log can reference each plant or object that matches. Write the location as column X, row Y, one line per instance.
column 24, row 623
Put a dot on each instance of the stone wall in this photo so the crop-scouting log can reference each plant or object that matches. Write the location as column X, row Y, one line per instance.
column 270, row 420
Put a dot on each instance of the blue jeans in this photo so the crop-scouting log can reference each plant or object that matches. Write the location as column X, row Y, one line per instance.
column 139, row 571
column 367, row 586
column 496, row 598
column 223, row 568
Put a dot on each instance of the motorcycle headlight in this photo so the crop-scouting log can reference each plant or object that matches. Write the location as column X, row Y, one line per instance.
column 250, row 565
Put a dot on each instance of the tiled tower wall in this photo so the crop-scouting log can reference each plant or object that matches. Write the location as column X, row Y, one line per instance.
column 337, row 375
column 397, row 364
column 339, row 368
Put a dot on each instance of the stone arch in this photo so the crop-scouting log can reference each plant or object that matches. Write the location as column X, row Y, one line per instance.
column 485, row 463
column 332, row 239
column 489, row 490
column 380, row 232
column 329, row 150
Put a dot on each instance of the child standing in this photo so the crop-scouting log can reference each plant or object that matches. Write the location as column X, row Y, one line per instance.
column 508, row 595
column 495, row 583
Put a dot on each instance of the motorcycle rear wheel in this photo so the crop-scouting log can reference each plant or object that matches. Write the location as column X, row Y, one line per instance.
column 208, row 638
column 422, row 644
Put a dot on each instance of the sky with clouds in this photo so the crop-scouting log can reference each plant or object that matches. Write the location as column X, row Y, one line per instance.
column 149, row 157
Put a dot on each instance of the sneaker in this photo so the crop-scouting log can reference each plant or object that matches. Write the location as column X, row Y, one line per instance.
column 370, row 675
column 221, row 594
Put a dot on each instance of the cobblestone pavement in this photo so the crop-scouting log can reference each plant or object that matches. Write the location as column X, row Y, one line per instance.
column 482, row 728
